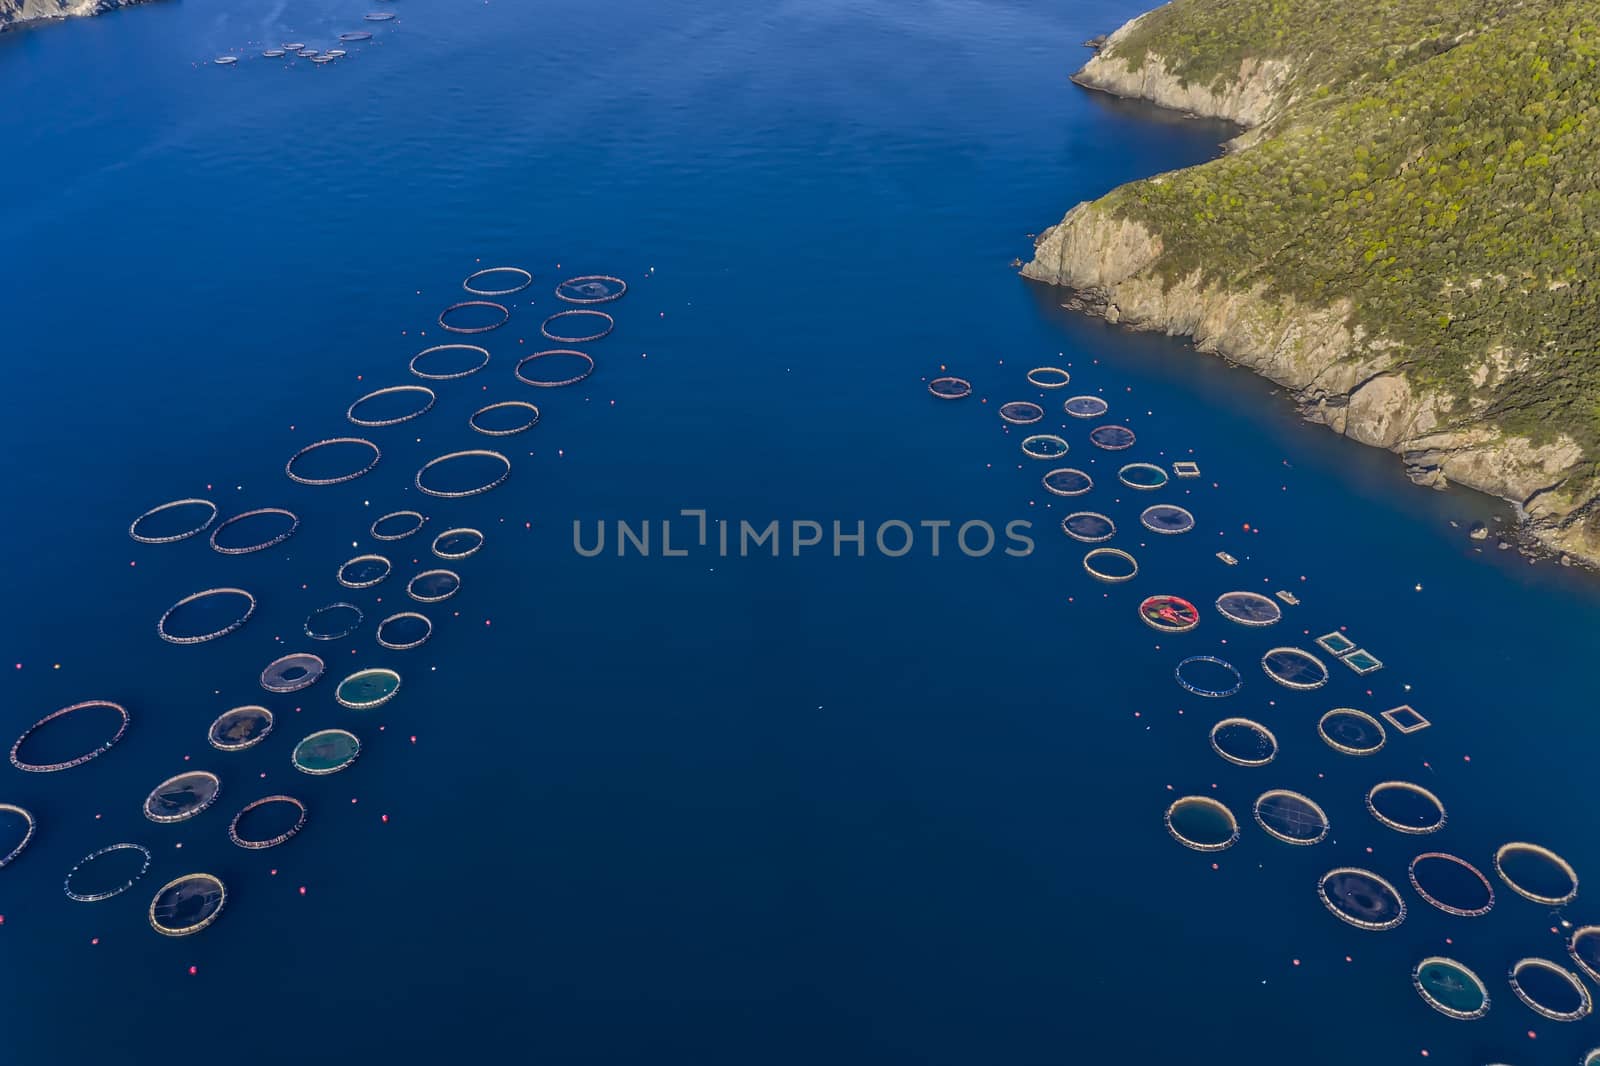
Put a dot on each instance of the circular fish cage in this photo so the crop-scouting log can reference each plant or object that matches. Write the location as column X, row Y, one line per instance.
column 355, row 35
column 254, row 531
column 497, row 281
column 404, row 631
column 1584, row 947
column 1089, row 527
column 1167, row 519
column 54, row 760
column 1111, row 565
column 1044, row 446
column 1209, row 676
column 1086, row 407
column 598, row 322
column 473, row 316
column 1202, row 823
column 1405, row 807
column 206, row 615
column 1537, row 873
column 460, row 474
column 1351, row 732
column 1291, row 817
column 397, row 525
column 333, row 622
column 1048, row 377
column 107, row 872
column 379, row 16
column 434, row 586
column 559, row 367
column 240, row 728
column 1112, row 438
column 326, row 751
column 291, row 673
column 367, row 689
column 1021, row 413
column 456, row 544
column 225, row 61
column 179, row 798
column 1169, row 614
column 187, row 904
column 1451, row 884
column 267, row 822
column 1142, row 476
column 591, row 289
column 364, row 571
column 504, row 419
column 333, row 461
column 1550, row 990
column 448, row 362
column 16, row 832
column 391, row 406
column 1296, row 669
column 1067, row 481
column 1249, row 608
column 170, row 522
column 1361, row 898
column 1244, row 742
column 948, row 388
column 1450, row 988
column 273, row 53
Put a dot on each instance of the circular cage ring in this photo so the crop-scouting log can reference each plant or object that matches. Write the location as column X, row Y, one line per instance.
column 1537, row 873
column 261, row 843
column 1291, row 817
column 1112, row 438
column 1450, row 988
column 1361, row 898
column 123, row 719
column 1249, row 608
column 464, row 305
column 332, row 479
column 1202, row 824
column 396, row 641
column 1167, row 519
column 368, row 689
column 1111, row 565
column 471, row 453
column 599, row 321
column 523, row 375
column 1452, row 884
column 1351, row 732
column 293, row 672
column 79, row 895
column 398, row 525
column 1049, row 377
column 182, row 796
column 163, row 510
column 1145, row 477
column 1244, row 742
column 364, row 571
column 421, row 358
column 1067, row 481
column 326, row 751
column 187, row 904
column 434, row 586
column 164, row 626
column 1210, row 691
column 426, row 399
column 1021, row 413
column 1406, row 807
column 277, row 538
column 353, row 36
column 240, row 728
column 459, row 543
column 948, row 388
column 591, row 289
column 1089, row 527
column 1169, row 614
column 1294, row 668
column 1584, row 947
column 1044, row 446
column 531, row 419
column 1552, row 980
column 335, row 621
column 475, row 282
column 25, row 816
column 1086, row 407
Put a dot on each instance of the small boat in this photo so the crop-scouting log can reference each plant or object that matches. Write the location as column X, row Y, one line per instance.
column 1225, row 557
column 1288, row 597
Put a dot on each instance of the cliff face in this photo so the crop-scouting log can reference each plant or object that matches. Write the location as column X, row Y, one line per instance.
column 16, row 12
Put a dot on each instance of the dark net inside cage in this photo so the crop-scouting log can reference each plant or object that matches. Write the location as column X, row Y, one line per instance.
column 1166, row 518
column 1112, row 438
column 1451, row 988
column 591, row 289
column 457, row 543
column 948, row 388
column 1249, row 608
column 240, row 728
column 291, row 673
column 1362, row 898
column 1021, row 412
column 181, row 797
column 326, row 752
column 1351, row 732
column 187, row 904
column 1294, row 668
column 431, row 586
column 1143, row 476
column 1067, row 481
column 368, row 688
column 1090, row 527
column 1086, row 407
column 1291, row 817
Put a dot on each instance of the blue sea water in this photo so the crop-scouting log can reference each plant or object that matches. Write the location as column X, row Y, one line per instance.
column 702, row 809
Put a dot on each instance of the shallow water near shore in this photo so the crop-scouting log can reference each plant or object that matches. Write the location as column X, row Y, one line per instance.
column 705, row 809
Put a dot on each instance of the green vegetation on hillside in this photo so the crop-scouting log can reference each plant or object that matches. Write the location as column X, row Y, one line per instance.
column 1454, row 200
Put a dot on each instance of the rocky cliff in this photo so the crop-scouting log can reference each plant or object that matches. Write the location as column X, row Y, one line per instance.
column 16, row 12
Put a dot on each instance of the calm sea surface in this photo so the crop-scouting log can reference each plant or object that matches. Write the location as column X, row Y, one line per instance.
column 708, row 810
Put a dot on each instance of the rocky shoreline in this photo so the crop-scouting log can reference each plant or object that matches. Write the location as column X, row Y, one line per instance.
column 16, row 13
column 1354, row 383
